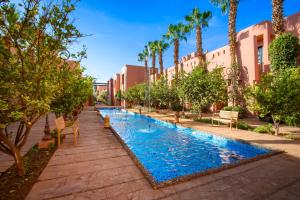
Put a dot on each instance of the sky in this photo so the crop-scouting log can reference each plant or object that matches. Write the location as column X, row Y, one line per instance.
column 118, row 30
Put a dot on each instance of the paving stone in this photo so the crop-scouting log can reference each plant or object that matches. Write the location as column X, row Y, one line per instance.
column 99, row 168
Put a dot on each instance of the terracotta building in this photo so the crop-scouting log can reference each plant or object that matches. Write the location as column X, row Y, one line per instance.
column 252, row 56
column 252, row 51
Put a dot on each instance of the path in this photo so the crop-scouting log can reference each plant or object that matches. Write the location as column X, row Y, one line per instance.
column 99, row 168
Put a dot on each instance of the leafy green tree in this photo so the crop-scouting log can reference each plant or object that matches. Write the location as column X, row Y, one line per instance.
column 276, row 94
column 203, row 89
column 34, row 39
column 74, row 90
column 135, row 95
column 160, row 95
column 284, row 51
column 199, row 20
column 175, row 34
column 119, row 96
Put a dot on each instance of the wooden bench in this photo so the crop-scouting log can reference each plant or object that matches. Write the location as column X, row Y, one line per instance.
column 228, row 117
column 63, row 130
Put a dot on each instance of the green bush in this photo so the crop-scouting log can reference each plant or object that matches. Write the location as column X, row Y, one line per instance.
column 241, row 110
column 243, row 126
column 284, row 52
column 264, row 129
column 176, row 106
column 293, row 120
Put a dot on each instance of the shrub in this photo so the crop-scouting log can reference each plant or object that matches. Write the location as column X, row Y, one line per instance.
column 243, row 126
column 293, row 120
column 241, row 110
column 176, row 106
column 284, row 51
column 264, row 129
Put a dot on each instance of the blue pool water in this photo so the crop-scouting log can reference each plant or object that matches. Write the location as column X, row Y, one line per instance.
column 168, row 151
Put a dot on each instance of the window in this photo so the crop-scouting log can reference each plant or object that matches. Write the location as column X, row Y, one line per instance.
column 223, row 51
column 260, row 55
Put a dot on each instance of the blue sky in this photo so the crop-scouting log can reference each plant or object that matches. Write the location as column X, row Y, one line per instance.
column 119, row 29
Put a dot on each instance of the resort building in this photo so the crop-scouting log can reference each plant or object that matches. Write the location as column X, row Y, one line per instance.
column 252, row 52
column 252, row 56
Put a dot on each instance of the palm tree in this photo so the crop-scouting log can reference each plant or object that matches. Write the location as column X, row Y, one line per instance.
column 153, row 48
column 277, row 17
column 199, row 20
column 162, row 45
column 232, row 6
column 175, row 34
column 143, row 57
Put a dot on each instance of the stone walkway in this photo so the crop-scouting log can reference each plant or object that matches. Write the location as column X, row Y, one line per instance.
column 36, row 134
column 99, row 168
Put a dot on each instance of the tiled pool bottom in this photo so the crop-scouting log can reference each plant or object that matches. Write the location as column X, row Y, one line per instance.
column 167, row 153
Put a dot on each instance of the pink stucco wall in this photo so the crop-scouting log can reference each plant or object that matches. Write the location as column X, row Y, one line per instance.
column 249, row 41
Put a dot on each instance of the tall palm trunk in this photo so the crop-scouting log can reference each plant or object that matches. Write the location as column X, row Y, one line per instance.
column 146, row 71
column 161, row 65
column 232, row 30
column 277, row 17
column 199, row 44
column 233, row 50
column 153, row 65
column 176, row 56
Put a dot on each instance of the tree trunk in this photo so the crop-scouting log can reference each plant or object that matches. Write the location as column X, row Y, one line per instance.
column 176, row 55
column 199, row 44
column 176, row 117
column 232, row 30
column 146, row 71
column 153, row 65
column 276, row 124
column 233, row 49
column 277, row 17
column 19, row 162
column 161, row 65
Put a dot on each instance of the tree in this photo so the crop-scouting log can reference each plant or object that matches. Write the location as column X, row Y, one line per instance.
column 135, row 95
column 118, row 95
column 175, row 34
column 277, row 94
column 34, row 37
column 143, row 57
column 162, row 45
column 284, row 51
column 203, row 89
column 153, row 48
column 231, row 6
column 160, row 93
column 277, row 17
column 74, row 90
column 199, row 20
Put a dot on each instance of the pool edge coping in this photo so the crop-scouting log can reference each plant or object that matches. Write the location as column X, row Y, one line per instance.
column 188, row 177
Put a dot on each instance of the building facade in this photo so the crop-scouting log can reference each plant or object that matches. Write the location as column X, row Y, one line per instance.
column 252, row 56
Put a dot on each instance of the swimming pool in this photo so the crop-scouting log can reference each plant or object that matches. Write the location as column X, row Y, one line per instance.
column 168, row 153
